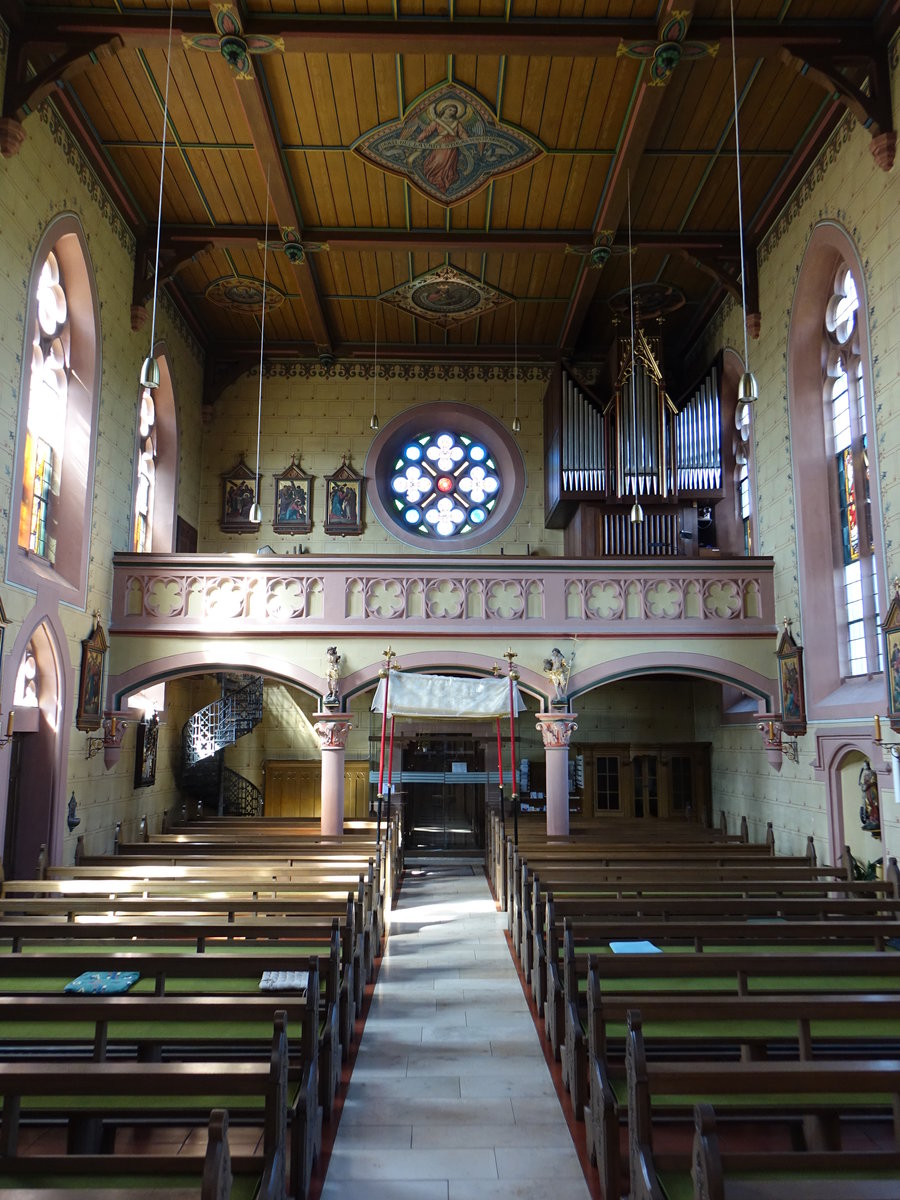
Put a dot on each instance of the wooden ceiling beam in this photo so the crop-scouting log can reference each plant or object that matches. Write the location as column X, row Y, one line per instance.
column 175, row 237
column 262, row 132
column 301, row 33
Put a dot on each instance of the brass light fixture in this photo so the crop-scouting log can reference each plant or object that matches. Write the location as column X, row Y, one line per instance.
column 255, row 514
column 748, row 390
column 150, row 365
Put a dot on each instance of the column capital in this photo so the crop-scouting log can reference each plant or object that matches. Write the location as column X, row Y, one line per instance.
column 556, row 728
column 332, row 730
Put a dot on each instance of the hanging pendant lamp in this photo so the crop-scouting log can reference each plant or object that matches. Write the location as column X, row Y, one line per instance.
column 373, row 420
column 516, row 423
column 255, row 510
column 748, row 390
column 150, row 365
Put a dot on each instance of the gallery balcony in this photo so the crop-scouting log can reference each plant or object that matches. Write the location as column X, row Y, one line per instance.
column 196, row 595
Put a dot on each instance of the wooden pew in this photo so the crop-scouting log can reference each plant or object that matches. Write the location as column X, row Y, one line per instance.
column 152, row 1029
column 164, row 1177
column 753, row 1090
column 773, row 1027
column 770, row 1175
column 205, row 913
column 756, row 859
column 707, row 911
column 100, row 1091
column 228, row 969
column 254, row 864
column 692, row 934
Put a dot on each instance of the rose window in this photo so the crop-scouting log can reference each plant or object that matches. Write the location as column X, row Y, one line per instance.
column 444, row 484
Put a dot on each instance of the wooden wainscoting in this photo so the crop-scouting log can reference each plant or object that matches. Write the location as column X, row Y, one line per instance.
column 293, row 788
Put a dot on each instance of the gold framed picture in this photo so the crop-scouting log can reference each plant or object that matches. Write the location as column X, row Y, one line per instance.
column 90, row 681
column 343, row 501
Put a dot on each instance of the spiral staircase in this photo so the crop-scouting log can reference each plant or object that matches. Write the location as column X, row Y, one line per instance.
column 204, row 737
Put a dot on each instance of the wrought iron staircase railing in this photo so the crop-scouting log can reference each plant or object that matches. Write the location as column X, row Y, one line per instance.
column 203, row 740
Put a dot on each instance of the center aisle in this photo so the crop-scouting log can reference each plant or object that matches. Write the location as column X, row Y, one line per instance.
column 450, row 1097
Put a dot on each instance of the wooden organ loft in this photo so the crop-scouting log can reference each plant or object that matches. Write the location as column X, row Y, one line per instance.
column 603, row 455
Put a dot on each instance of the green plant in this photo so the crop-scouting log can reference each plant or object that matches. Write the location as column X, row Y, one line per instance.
column 869, row 871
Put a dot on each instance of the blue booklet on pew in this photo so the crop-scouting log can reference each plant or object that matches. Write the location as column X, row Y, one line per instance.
column 639, row 947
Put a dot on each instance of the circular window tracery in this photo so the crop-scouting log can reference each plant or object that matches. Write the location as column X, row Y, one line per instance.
column 445, row 476
column 444, row 484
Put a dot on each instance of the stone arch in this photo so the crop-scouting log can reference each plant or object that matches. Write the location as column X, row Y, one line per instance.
column 669, row 662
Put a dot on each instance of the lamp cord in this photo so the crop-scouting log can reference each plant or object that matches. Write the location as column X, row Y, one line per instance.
column 262, row 329
column 737, row 159
column 633, row 378
column 162, row 169
column 375, row 366
column 516, row 357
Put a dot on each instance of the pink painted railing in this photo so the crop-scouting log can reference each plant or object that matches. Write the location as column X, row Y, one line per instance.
column 210, row 594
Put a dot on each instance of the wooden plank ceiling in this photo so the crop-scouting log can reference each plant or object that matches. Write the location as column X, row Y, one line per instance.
column 604, row 96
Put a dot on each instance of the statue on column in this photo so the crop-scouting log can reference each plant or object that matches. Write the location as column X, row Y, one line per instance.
column 333, row 674
column 557, row 671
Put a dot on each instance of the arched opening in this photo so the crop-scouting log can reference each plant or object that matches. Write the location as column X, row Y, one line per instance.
column 33, row 758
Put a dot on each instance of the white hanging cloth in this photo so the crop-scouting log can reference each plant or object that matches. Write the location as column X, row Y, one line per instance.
column 446, row 697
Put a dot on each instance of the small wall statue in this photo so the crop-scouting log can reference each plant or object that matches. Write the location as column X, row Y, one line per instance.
column 869, row 813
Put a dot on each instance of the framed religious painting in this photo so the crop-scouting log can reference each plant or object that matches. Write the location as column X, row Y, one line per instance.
column 790, row 683
column 240, row 490
column 145, row 752
column 90, row 681
column 293, row 500
column 891, row 632
column 343, row 501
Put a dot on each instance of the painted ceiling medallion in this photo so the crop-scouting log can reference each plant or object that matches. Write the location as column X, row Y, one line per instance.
column 651, row 300
column 446, row 296
column 242, row 294
column 448, row 145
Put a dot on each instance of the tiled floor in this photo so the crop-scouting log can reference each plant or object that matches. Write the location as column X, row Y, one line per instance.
column 450, row 1097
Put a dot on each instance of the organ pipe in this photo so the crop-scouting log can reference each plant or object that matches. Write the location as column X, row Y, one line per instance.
column 583, row 440
column 698, row 438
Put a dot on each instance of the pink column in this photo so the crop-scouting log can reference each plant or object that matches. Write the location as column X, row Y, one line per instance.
column 333, row 733
column 556, row 730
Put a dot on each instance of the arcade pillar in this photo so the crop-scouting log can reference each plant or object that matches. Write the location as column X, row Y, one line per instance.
column 333, row 732
column 556, row 729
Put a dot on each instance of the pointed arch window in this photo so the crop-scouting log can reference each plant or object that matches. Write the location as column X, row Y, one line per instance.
column 57, row 417
column 46, row 421
column 845, row 418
